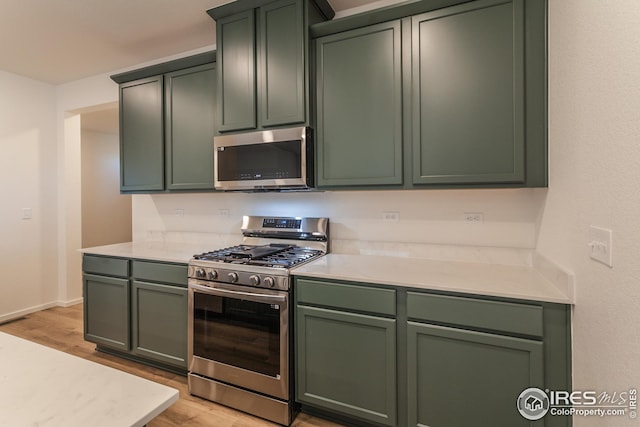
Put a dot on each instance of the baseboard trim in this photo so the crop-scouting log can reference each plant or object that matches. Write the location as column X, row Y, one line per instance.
column 70, row 302
column 21, row 313
column 4, row 318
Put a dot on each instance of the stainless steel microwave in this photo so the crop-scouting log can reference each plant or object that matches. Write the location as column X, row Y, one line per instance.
column 279, row 159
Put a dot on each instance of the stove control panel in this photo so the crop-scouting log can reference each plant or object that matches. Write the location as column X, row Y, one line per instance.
column 238, row 277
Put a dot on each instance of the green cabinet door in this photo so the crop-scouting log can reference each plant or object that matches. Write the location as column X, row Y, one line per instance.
column 142, row 135
column 281, row 72
column 237, row 66
column 460, row 378
column 346, row 363
column 190, row 100
column 106, row 311
column 468, row 86
column 359, row 107
column 159, row 322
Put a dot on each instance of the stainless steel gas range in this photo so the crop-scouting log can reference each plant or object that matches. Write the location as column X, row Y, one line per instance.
column 240, row 315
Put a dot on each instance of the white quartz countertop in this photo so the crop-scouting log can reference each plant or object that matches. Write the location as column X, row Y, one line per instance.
column 40, row 386
column 519, row 282
column 156, row 251
column 465, row 277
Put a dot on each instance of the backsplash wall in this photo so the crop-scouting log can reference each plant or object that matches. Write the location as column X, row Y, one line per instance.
column 432, row 217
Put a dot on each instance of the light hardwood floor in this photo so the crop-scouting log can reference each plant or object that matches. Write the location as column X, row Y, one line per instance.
column 61, row 328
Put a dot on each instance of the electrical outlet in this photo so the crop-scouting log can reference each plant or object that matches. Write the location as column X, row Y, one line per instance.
column 473, row 217
column 223, row 212
column 27, row 213
column 179, row 212
column 390, row 216
column 601, row 245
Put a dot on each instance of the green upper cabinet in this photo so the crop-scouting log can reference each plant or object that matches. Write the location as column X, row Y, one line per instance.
column 167, row 124
column 236, row 51
column 282, row 63
column 468, row 89
column 262, row 51
column 359, row 106
column 141, row 135
column 433, row 94
column 190, row 111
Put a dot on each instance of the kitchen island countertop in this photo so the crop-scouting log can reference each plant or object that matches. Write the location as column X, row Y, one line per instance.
column 40, row 386
column 517, row 282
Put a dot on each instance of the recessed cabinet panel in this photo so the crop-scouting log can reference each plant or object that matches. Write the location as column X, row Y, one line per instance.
column 458, row 377
column 159, row 322
column 142, row 135
column 106, row 311
column 468, row 85
column 237, row 62
column 282, row 72
column 359, row 107
column 190, row 117
column 346, row 362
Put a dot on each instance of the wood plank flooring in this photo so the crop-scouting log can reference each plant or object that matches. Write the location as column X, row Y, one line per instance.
column 61, row 328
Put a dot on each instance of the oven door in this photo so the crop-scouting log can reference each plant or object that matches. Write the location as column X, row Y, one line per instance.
column 240, row 336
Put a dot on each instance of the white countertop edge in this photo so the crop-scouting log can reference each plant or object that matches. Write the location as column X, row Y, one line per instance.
column 160, row 409
column 175, row 252
column 545, row 281
column 524, row 283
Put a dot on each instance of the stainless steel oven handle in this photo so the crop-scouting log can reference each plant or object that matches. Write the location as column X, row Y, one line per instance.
column 226, row 292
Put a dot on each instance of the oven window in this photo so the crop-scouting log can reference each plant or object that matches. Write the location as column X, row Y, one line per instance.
column 273, row 160
column 244, row 334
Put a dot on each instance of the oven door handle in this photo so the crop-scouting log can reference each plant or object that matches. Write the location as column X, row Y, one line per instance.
column 240, row 294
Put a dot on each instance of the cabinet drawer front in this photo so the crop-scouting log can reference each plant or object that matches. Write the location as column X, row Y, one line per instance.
column 493, row 315
column 350, row 297
column 158, row 272
column 118, row 267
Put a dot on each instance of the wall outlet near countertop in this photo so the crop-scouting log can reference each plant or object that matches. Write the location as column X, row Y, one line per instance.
column 601, row 245
column 391, row 216
column 473, row 217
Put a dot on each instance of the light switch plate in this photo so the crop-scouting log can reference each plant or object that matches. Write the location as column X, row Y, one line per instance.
column 601, row 245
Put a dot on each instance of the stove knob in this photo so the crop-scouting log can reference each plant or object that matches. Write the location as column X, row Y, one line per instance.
column 199, row 273
column 254, row 280
column 212, row 275
column 269, row 282
column 233, row 277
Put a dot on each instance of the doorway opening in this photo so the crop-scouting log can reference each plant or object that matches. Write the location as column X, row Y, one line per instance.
column 106, row 214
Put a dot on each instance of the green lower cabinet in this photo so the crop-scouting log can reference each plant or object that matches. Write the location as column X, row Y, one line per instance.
column 159, row 322
column 346, row 363
column 458, row 377
column 384, row 355
column 137, row 309
column 106, row 311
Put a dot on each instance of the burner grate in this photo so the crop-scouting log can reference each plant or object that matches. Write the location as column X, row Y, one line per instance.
column 274, row 255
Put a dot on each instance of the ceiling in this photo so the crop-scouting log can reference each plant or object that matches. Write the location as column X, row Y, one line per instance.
column 58, row 41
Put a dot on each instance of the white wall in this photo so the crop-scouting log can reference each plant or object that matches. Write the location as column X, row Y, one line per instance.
column 106, row 214
column 594, row 129
column 426, row 216
column 28, row 252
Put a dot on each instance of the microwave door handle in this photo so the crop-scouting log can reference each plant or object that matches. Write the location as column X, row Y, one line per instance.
column 251, row 296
